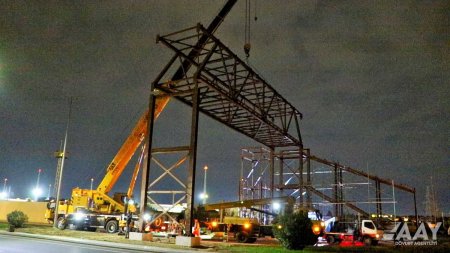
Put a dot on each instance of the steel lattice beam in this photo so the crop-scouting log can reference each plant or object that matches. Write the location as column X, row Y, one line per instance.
column 230, row 91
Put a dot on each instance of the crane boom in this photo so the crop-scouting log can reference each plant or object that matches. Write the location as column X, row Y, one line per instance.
column 135, row 173
column 123, row 156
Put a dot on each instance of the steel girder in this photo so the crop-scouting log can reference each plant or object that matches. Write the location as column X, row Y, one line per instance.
column 294, row 181
column 230, row 91
column 338, row 197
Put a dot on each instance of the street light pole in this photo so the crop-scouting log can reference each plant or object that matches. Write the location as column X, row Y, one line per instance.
column 37, row 191
column 55, row 218
column 92, row 182
column 204, row 186
column 39, row 175
column 49, row 189
column 4, row 194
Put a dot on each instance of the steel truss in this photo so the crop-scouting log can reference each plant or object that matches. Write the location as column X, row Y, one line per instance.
column 293, row 174
column 211, row 79
column 253, row 185
column 230, row 91
column 178, row 191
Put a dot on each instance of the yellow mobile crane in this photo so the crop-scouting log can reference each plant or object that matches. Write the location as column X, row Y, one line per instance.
column 91, row 209
column 101, row 210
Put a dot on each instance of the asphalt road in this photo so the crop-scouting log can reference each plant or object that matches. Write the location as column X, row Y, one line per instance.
column 27, row 244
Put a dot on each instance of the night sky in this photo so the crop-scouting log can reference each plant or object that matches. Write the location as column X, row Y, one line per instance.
column 370, row 77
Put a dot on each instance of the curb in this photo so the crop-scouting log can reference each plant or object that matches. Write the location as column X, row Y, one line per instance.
column 115, row 245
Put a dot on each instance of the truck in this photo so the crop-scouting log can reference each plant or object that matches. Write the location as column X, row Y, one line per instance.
column 90, row 209
column 363, row 231
column 244, row 230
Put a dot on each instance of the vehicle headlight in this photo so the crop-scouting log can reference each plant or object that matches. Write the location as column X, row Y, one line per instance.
column 147, row 217
column 316, row 229
column 79, row 216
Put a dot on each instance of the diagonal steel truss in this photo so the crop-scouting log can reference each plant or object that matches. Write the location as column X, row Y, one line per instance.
column 211, row 79
column 230, row 91
column 294, row 176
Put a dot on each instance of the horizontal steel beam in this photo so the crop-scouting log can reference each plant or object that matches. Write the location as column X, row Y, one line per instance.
column 249, row 203
column 364, row 174
column 170, row 150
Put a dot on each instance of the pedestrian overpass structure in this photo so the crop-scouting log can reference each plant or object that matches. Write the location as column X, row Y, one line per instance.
column 207, row 76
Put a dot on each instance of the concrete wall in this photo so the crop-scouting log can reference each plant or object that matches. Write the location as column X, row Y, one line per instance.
column 34, row 210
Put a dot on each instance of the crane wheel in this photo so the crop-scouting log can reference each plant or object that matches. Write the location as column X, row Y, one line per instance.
column 241, row 237
column 112, row 226
column 331, row 240
column 62, row 223
column 367, row 241
column 251, row 240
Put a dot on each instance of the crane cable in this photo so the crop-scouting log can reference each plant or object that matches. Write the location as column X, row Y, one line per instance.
column 247, row 44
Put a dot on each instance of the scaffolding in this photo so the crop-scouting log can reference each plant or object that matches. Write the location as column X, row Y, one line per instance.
column 314, row 182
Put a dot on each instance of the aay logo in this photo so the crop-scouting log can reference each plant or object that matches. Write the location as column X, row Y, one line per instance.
column 402, row 236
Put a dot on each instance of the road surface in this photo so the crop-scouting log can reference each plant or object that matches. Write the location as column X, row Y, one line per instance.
column 28, row 244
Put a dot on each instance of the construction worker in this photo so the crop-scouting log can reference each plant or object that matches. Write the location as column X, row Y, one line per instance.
column 131, row 208
column 196, row 228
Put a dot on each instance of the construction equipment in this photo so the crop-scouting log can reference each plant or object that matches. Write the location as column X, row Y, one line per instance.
column 359, row 232
column 98, row 202
column 95, row 208
column 245, row 229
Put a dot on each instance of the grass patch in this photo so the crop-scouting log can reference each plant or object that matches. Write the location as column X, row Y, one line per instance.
column 95, row 236
column 4, row 226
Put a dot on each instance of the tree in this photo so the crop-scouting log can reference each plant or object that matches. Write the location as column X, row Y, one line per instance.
column 294, row 230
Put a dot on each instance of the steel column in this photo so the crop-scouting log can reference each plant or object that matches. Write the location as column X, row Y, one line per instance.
column 301, row 183
column 147, row 162
column 308, row 179
column 335, row 191
column 341, row 193
column 378, row 199
column 190, row 186
column 272, row 171
column 281, row 177
column 415, row 208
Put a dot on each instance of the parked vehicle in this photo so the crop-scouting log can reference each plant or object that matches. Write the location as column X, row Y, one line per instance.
column 363, row 231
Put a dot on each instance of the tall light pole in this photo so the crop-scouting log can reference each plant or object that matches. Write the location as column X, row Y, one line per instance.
column 4, row 194
column 49, row 190
column 92, row 182
column 39, row 175
column 205, row 195
column 4, row 185
column 58, row 191
column 37, row 191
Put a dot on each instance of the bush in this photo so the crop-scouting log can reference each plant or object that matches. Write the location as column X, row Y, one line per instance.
column 294, row 231
column 17, row 218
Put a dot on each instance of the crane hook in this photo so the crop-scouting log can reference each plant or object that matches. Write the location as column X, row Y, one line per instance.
column 247, row 47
